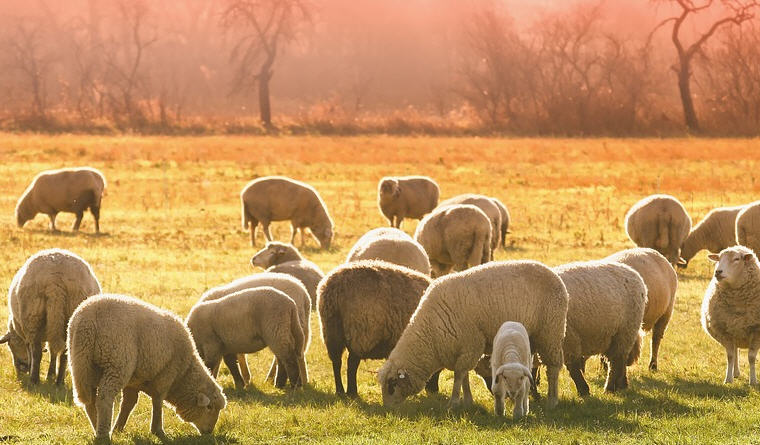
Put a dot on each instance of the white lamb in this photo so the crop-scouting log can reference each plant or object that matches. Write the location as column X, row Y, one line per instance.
column 511, row 365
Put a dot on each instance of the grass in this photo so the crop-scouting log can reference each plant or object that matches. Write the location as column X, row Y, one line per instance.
column 172, row 229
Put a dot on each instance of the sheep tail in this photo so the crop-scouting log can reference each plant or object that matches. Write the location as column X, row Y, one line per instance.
column 635, row 353
column 663, row 231
column 56, row 321
column 246, row 215
column 297, row 332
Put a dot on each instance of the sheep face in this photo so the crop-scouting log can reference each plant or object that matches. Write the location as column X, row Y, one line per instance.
column 511, row 380
column 19, row 351
column 24, row 211
column 734, row 266
column 265, row 257
column 389, row 188
column 324, row 235
column 395, row 383
column 204, row 413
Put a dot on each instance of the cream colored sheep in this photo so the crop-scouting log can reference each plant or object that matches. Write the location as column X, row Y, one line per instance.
column 277, row 198
column 119, row 343
column 659, row 222
column 715, row 232
column 504, row 221
column 406, row 197
column 458, row 318
column 456, row 236
column 41, row 299
column 488, row 206
column 511, row 365
column 71, row 190
column 391, row 245
column 748, row 227
column 285, row 258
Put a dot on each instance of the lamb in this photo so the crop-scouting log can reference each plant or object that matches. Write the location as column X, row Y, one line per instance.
column 364, row 307
column 488, row 207
column 119, row 343
column 504, row 221
column 731, row 307
column 285, row 258
column 511, row 365
column 715, row 232
column 458, row 318
column 455, row 236
column 70, row 190
column 659, row 222
column 41, row 299
column 277, row 198
column 748, row 227
column 246, row 322
column 406, row 197
column 661, row 282
column 606, row 306
column 391, row 245
column 291, row 287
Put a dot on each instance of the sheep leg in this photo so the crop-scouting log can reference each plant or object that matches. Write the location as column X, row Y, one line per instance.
column 267, row 233
column 62, row 368
column 128, row 402
column 657, row 333
column 95, row 210
column 77, row 221
column 104, row 404
column 552, row 377
column 576, row 373
column 751, row 357
column 432, row 384
column 352, row 365
column 737, row 374
column 244, row 371
column 467, row 394
column 157, row 418
column 52, row 221
column 498, row 405
column 291, row 370
column 399, row 220
column 272, row 371
column 281, row 375
column 34, row 372
column 92, row 415
column 253, row 224
column 336, row 365
column 303, row 240
column 616, row 378
column 536, row 380
column 730, row 357
column 51, row 368
column 455, row 398
column 231, row 361
column 293, row 232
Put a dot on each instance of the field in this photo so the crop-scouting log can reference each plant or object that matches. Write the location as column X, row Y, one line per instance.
column 171, row 222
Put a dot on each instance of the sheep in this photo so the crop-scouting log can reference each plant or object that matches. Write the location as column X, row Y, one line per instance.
column 363, row 307
column 488, row 206
column 41, row 299
column 731, row 307
column 504, row 221
column 70, row 190
column 511, row 365
column 285, row 258
column 119, row 343
column 277, row 198
column 661, row 282
column 659, row 222
column 391, row 245
column 455, row 236
column 406, row 197
column 459, row 316
column 748, row 227
column 715, row 232
column 246, row 322
column 291, row 287
column 604, row 314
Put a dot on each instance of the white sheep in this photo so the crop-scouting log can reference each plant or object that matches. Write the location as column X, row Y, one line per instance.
column 488, row 206
column 659, row 222
column 406, row 197
column 715, row 232
column 459, row 316
column 511, row 365
column 42, row 296
column 748, row 227
column 505, row 220
column 121, row 344
column 285, row 258
column 391, row 245
column 731, row 307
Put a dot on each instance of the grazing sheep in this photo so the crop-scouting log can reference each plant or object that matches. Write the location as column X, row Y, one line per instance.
column 606, row 306
column 120, row 343
column 504, row 221
column 458, row 318
column 488, row 206
column 364, row 307
column 41, row 299
column 70, row 190
column 715, row 232
column 246, row 322
column 661, row 282
column 659, row 222
column 455, row 236
column 285, row 258
column 277, row 198
column 406, row 197
column 391, row 245
column 511, row 365
column 731, row 307
column 291, row 287
column 748, row 227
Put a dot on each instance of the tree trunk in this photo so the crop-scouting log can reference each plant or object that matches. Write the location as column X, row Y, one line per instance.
column 684, row 87
column 265, row 107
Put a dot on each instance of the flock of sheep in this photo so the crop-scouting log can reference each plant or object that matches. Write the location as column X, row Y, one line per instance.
column 394, row 298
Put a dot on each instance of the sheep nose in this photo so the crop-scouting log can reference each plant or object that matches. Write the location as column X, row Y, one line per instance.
column 719, row 274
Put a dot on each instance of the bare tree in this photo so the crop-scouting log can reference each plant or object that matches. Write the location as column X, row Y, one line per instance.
column 27, row 56
column 738, row 12
column 267, row 26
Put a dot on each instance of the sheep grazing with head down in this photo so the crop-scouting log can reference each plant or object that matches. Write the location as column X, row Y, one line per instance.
column 43, row 295
column 488, row 206
column 511, row 366
column 748, row 227
column 457, row 236
column 458, row 318
column 391, row 245
column 402, row 197
column 277, row 198
column 731, row 307
column 284, row 258
column 659, row 222
column 715, row 232
column 121, row 344
column 71, row 190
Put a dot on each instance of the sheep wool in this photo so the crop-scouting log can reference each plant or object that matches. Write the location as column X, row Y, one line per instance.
column 391, row 245
column 406, row 197
column 715, row 232
column 285, row 258
column 659, row 222
column 511, row 365
column 488, row 206
column 748, row 227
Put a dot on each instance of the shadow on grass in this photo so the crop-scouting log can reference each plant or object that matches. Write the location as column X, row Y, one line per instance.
column 217, row 439
column 68, row 233
column 53, row 393
column 702, row 389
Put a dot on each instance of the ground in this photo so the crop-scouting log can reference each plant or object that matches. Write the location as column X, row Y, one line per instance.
column 171, row 223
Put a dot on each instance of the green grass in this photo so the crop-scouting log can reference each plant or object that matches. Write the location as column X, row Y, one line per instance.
column 172, row 230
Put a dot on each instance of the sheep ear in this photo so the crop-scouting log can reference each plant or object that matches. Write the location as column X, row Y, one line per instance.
column 5, row 338
column 714, row 257
column 529, row 375
column 748, row 257
column 203, row 400
column 681, row 262
column 401, row 374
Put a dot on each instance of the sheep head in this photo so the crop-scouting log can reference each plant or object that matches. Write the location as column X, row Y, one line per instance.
column 734, row 266
column 19, row 351
column 390, row 187
column 511, row 380
column 25, row 210
column 397, row 384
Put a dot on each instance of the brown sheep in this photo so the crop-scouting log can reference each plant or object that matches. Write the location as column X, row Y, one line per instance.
column 406, row 197
column 488, row 206
column 285, row 258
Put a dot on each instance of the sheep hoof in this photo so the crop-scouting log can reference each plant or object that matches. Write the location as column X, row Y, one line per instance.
column 653, row 366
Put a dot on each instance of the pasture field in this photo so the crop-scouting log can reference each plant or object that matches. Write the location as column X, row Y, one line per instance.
column 171, row 223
